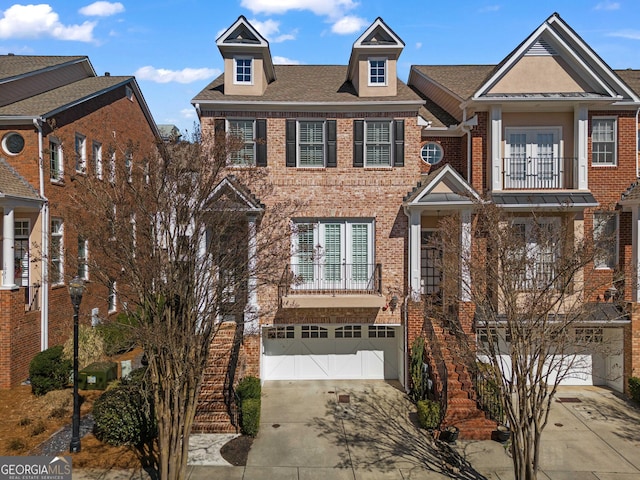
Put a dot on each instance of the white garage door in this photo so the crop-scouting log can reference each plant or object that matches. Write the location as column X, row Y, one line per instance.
column 323, row 352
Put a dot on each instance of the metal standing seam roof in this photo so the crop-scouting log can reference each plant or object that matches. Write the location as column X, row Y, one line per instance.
column 305, row 84
column 12, row 184
column 47, row 102
column 16, row 65
column 544, row 198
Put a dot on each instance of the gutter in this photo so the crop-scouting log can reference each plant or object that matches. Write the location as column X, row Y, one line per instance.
column 44, row 264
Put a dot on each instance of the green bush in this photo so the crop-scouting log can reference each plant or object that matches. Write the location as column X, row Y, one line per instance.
column 90, row 347
column 428, row 413
column 634, row 388
column 250, row 416
column 248, row 387
column 118, row 335
column 49, row 371
column 418, row 384
column 124, row 416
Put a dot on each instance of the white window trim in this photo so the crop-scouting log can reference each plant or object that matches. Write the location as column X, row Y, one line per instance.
column 228, row 125
column 23, row 237
column 128, row 165
column 615, row 141
column 85, row 260
column 386, row 71
column 437, row 146
column 324, row 142
column 81, row 165
column 235, row 70
column 60, row 152
column 533, row 249
column 60, row 234
column 391, row 142
column 112, row 297
column 112, row 167
column 617, row 239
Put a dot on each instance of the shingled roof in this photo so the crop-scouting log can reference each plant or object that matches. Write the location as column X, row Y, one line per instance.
column 306, row 84
column 15, row 65
column 630, row 77
column 12, row 184
column 461, row 80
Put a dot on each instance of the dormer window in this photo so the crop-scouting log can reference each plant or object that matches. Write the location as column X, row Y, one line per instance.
column 243, row 70
column 377, row 71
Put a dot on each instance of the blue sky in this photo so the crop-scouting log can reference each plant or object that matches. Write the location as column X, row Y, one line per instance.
column 169, row 45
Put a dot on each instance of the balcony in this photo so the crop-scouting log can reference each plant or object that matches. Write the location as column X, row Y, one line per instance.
column 538, row 173
column 323, row 285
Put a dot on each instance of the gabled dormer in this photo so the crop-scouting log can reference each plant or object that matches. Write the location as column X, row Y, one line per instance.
column 373, row 63
column 248, row 67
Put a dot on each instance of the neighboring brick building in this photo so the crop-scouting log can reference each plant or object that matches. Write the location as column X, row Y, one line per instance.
column 58, row 120
column 378, row 161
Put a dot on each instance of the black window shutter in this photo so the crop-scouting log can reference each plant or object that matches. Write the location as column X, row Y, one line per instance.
column 219, row 126
column 261, row 142
column 291, row 143
column 332, row 160
column 398, row 159
column 358, row 143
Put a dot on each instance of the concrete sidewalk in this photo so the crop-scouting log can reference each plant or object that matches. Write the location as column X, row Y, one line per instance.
column 365, row 430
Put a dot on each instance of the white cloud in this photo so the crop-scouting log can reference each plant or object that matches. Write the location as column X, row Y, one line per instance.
column 418, row 45
column 330, row 8
column 186, row 75
column 284, row 61
column 629, row 34
column 188, row 113
column 269, row 30
column 102, row 9
column 606, row 5
column 349, row 24
column 36, row 21
column 489, row 8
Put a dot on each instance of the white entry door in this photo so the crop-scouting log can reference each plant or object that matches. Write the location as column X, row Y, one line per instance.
column 532, row 158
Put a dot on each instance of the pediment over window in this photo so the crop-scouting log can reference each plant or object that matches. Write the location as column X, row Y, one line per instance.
column 442, row 189
column 554, row 63
column 230, row 194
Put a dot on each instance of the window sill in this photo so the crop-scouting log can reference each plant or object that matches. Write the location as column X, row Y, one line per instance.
column 311, row 169
column 379, row 169
column 59, row 181
column 56, row 286
column 602, row 165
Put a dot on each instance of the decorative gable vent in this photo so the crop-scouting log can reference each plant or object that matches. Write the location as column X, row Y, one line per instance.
column 241, row 35
column 541, row 48
column 379, row 37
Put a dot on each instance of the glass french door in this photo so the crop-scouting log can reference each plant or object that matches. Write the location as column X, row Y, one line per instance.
column 532, row 158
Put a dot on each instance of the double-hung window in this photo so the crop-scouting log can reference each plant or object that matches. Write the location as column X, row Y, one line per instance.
column 377, row 71
column 56, row 163
column 83, row 258
column 534, row 253
column 603, row 140
column 311, row 143
column 128, row 165
column 605, row 239
column 96, row 157
column 333, row 254
column 81, row 153
column 57, row 251
column 243, row 70
column 377, row 143
column 244, row 152
column 112, row 298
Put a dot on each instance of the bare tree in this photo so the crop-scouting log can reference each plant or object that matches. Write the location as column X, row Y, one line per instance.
column 185, row 244
column 537, row 312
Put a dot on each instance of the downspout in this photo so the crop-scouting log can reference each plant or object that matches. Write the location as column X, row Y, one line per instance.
column 406, row 343
column 44, row 263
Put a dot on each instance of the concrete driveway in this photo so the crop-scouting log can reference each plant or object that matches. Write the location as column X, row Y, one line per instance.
column 342, row 430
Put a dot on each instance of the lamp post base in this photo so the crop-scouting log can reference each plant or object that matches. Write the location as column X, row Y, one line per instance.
column 75, row 445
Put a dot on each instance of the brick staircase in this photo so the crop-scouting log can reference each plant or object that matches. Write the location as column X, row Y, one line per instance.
column 462, row 411
column 213, row 412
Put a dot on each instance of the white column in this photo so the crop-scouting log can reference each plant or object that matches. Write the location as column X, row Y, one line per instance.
column 635, row 255
column 496, row 147
column 414, row 254
column 252, row 308
column 465, row 242
column 581, row 121
column 8, row 258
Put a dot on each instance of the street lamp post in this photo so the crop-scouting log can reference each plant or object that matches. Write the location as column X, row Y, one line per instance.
column 76, row 289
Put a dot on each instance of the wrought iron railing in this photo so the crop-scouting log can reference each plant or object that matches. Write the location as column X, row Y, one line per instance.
column 324, row 277
column 488, row 396
column 32, row 297
column 543, row 173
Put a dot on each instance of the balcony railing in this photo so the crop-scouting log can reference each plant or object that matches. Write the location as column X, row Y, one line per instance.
column 538, row 173
column 32, row 297
column 322, row 277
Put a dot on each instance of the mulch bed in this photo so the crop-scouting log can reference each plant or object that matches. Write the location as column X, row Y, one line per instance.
column 236, row 451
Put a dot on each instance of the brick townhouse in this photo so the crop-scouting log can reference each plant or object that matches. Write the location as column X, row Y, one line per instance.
column 378, row 161
column 58, row 120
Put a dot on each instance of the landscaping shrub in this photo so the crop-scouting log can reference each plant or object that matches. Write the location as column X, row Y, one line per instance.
column 428, row 413
column 49, row 370
column 118, row 335
column 418, row 384
column 90, row 347
column 248, row 387
column 250, row 416
column 634, row 388
column 124, row 416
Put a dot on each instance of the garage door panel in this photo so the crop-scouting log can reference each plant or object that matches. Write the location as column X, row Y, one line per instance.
column 312, row 367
